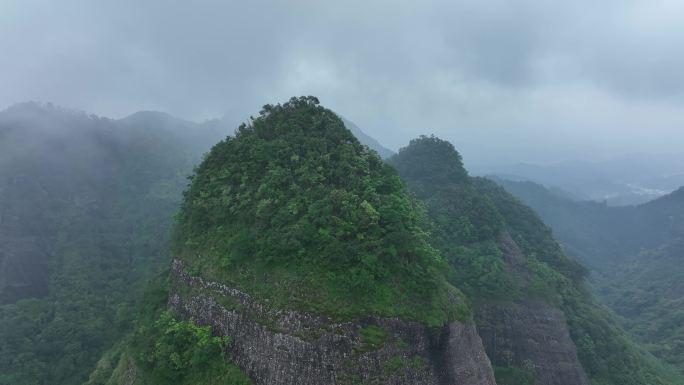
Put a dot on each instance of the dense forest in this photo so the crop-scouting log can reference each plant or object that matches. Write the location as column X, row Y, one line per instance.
column 86, row 206
column 471, row 216
column 458, row 193
column 297, row 214
column 300, row 219
column 635, row 253
column 295, row 209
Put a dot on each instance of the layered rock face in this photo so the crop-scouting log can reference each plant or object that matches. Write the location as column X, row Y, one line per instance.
column 287, row 347
column 531, row 335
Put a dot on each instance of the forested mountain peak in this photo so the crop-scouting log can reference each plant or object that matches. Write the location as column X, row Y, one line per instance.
column 676, row 196
column 294, row 201
column 33, row 109
column 433, row 161
column 369, row 141
column 38, row 121
column 291, row 211
column 506, row 260
column 152, row 117
column 635, row 253
column 86, row 205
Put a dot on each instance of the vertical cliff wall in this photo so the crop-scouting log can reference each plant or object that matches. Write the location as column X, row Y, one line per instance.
column 527, row 334
column 534, row 336
column 286, row 347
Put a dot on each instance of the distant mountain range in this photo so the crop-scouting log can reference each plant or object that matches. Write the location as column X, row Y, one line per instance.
column 636, row 253
column 53, row 140
column 626, row 180
column 86, row 210
column 372, row 143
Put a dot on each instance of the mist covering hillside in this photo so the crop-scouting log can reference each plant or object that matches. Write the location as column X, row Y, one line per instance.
column 635, row 253
column 364, row 192
column 626, row 180
column 87, row 206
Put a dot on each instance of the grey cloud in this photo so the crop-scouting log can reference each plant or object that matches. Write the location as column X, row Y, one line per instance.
column 510, row 80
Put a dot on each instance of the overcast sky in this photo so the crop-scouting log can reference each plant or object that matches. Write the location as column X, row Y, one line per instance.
column 504, row 80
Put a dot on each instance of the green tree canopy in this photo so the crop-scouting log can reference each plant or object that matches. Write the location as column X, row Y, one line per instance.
column 296, row 210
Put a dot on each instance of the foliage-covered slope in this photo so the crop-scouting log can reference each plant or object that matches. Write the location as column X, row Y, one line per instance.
column 599, row 235
column 648, row 292
column 371, row 142
column 89, row 202
column 295, row 210
column 86, row 205
column 163, row 349
column 470, row 214
column 637, row 252
column 608, row 355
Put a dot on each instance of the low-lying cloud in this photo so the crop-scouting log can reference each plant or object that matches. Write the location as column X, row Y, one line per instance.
column 504, row 80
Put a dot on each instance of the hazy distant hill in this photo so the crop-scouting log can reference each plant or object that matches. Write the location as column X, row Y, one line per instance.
column 637, row 252
column 600, row 235
column 54, row 162
column 51, row 158
column 626, row 180
column 85, row 209
column 86, row 205
column 531, row 306
column 372, row 143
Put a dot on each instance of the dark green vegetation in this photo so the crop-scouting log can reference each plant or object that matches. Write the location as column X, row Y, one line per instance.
column 179, row 352
column 471, row 216
column 466, row 224
column 514, row 376
column 637, row 254
column 87, row 203
column 372, row 338
column 648, row 292
column 295, row 210
column 599, row 235
column 86, row 207
column 163, row 349
column 171, row 350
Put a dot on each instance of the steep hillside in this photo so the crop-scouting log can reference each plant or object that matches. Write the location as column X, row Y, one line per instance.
column 537, row 320
column 298, row 258
column 372, row 143
column 648, row 292
column 625, row 180
column 599, row 235
column 293, row 184
column 85, row 209
column 86, row 205
column 637, row 254
column 301, row 249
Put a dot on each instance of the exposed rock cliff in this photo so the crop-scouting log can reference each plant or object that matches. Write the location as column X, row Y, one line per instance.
column 529, row 334
column 287, row 347
column 505, row 260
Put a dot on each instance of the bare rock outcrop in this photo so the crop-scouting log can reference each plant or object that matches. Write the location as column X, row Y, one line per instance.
column 533, row 335
column 286, row 347
column 529, row 334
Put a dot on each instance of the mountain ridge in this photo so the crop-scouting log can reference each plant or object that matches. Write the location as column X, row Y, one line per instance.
column 635, row 255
